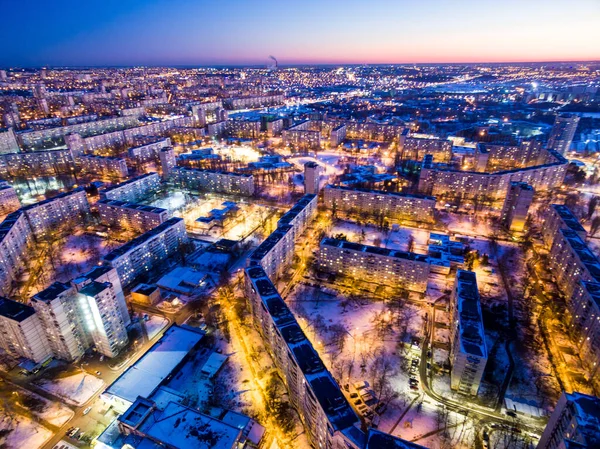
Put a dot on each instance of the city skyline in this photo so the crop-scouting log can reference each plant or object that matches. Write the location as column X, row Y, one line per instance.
column 205, row 33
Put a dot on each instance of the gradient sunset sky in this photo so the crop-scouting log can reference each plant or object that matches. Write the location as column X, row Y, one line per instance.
column 211, row 32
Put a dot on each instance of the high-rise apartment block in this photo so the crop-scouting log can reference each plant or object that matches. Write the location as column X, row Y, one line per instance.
column 380, row 265
column 15, row 237
column 9, row 201
column 468, row 353
column 312, row 174
column 8, row 141
column 573, row 424
column 45, row 216
column 21, row 332
column 563, row 132
column 137, row 217
column 133, row 190
column 395, row 207
column 213, row 181
column 145, row 252
column 516, row 206
column 108, row 167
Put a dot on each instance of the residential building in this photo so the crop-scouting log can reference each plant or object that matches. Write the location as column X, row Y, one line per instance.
column 9, row 201
column 395, row 207
column 583, row 310
column 149, row 150
column 147, row 251
column 38, row 163
column 326, row 414
column 516, row 206
column 300, row 215
column 15, row 238
column 108, row 167
column 276, row 253
column 21, row 332
column 8, row 141
column 573, row 424
column 312, row 175
column 559, row 216
column 377, row 265
column 213, row 181
column 135, row 189
column 61, row 319
column 137, row 217
column 168, row 161
column 561, row 136
column 48, row 215
column 468, row 350
column 571, row 261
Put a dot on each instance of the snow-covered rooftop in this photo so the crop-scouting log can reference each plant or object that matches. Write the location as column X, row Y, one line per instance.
column 147, row 374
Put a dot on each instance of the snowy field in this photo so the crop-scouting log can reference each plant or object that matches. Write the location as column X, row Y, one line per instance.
column 76, row 389
column 370, row 235
column 19, row 432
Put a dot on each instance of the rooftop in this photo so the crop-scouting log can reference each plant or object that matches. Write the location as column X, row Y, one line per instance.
column 327, row 241
column 158, row 363
column 382, row 192
column 13, row 310
column 472, row 338
column 52, row 292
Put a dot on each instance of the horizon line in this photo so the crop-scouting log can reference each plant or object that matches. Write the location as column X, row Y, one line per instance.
column 298, row 64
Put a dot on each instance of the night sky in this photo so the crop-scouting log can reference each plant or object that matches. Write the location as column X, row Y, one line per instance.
column 206, row 32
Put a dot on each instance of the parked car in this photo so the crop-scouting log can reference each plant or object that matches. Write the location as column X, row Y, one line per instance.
column 87, row 410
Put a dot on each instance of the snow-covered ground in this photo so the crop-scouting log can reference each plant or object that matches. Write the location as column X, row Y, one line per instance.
column 154, row 324
column 19, row 432
column 76, row 389
column 370, row 235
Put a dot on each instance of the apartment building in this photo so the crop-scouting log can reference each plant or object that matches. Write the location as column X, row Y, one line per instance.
column 61, row 319
column 300, row 215
column 245, row 129
column 168, row 161
column 133, row 190
column 584, row 318
column 9, row 201
column 396, row 207
column 40, row 163
column 102, row 319
column 145, row 252
column 573, row 424
column 337, row 136
column 439, row 180
column 136, row 217
column 571, row 261
column 378, row 265
column 53, row 136
column 312, row 176
column 47, row 215
column 15, row 237
column 149, row 150
column 559, row 216
column 21, row 332
column 306, row 135
column 468, row 352
column 323, row 409
column 415, row 148
column 563, row 131
column 8, row 141
column 495, row 157
column 253, row 102
column 107, row 167
column 276, row 253
column 213, row 181
column 516, row 206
